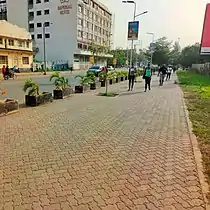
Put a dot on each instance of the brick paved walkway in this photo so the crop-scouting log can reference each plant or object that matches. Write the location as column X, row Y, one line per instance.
column 90, row 152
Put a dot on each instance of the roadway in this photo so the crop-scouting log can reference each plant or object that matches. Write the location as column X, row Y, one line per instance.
column 14, row 87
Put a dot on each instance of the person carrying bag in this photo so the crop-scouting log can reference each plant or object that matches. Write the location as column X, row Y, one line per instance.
column 147, row 77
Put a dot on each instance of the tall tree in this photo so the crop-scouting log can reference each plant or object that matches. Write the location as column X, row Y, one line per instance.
column 93, row 48
column 190, row 55
column 120, row 55
column 175, row 54
column 161, row 51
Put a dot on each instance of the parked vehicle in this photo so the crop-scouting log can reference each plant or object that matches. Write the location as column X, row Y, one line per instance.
column 96, row 70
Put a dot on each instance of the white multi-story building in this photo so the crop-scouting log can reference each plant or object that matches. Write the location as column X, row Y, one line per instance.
column 65, row 27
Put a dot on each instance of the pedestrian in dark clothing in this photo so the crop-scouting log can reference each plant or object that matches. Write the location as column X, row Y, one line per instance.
column 7, row 70
column 131, row 77
column 162, row 73
column 147, row 77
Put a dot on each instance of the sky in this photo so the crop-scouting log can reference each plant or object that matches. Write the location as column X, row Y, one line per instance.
column 175, row 19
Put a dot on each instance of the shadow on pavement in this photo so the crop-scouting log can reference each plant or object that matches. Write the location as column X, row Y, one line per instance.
column 131, row 93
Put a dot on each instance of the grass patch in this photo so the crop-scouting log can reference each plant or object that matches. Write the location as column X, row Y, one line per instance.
column 108, row 94
column 197, row 93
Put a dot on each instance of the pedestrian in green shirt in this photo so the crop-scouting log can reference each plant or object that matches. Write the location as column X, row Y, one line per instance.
column 147, row 77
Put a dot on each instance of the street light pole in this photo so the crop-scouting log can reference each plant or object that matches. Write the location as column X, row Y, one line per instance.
column 134, row 18
column 44, row 46
column 153, row 39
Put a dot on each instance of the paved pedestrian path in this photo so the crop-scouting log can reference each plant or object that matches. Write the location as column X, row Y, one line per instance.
column 89, row 152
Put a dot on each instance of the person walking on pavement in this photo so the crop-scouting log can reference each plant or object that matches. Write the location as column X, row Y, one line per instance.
column 131, row 77
column 169, row 71
column 162, row 72
column 147, row 77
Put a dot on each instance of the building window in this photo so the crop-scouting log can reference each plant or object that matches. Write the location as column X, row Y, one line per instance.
column 39, row 25
column 1, row 41
column 38, row 13
column 27, row 44
column 80, row 34
column 79, row 46
column 46, row 11
column 39, row 36
column 25, row 60
column 90, row 14
column 80, row 8
column 90, row 36
column 38, row 1
column 32, row 36
column 85, row 11
column 31, row 26
column 46, row 1
column 47, row 36
column 31, row 15
column 84, row 35
column 3, row 59
column 20, row 44
column 11, row 42
column 80, row 21
column 47, row 24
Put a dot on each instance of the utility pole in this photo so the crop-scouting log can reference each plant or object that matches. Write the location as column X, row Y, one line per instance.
column 44, row 46
column 151, row 46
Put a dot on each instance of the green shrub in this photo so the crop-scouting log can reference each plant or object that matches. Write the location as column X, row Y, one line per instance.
column 31, row 86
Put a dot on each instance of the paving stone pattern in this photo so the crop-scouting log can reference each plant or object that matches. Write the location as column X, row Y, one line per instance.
column 89, row 152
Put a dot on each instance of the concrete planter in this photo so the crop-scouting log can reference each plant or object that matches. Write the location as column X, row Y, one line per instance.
column 103, row 83
column 38, row 100
column 9, row 106
column 93, row 86
column 61, row 94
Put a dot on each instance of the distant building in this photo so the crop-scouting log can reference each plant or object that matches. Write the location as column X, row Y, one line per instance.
column 67, row 26
column 15, row 46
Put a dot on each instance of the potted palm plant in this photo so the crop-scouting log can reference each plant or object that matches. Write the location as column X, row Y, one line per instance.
column 102, row 78
column 115, row 77
column 83, row 83
column 121, row 76
column 62, row 88
column 33, row 98
column 125, row 73
column 92, row 81
column 110, row 77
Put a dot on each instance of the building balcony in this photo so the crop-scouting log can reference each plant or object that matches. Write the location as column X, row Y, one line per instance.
column 16, row 48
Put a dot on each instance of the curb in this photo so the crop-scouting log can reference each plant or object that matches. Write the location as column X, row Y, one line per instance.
column 197, row 154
